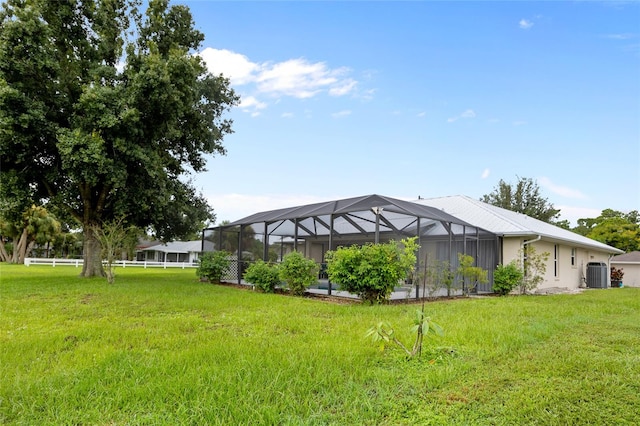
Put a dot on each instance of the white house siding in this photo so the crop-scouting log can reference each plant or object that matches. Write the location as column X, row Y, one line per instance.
column 631, row 271
column 511, row 249
column 567, row 275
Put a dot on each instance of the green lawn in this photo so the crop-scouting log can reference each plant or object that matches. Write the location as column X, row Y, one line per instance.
column 159, row 347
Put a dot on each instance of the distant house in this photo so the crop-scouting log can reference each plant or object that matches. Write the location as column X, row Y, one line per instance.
column 569, row 253
column 176, row 251
column 630, row 264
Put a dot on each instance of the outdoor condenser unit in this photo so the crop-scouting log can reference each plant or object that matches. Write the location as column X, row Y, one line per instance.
column 597, row 275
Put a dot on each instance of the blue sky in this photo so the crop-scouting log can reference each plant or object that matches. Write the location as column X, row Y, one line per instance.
column 429, row 99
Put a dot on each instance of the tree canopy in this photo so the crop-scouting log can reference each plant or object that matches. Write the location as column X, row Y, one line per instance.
column 612, row 227
column 105, row 111
column 523, row 197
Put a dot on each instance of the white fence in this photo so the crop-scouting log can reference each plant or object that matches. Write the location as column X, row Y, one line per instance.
column 121, row 263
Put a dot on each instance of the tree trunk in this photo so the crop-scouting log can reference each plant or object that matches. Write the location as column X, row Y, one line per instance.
column 4, row 256
column 20, row 247
column 92, row 254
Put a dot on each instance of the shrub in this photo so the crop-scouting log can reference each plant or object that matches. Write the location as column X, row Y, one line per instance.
column 470, row 273
column 372, row 271
column 298, row 272
column 212, row 265
column 534, row 268
column 265, row 276
column 616, row 274
column 507, row 277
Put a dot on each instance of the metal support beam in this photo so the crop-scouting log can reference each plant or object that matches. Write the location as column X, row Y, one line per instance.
column 417, row 274
column 240, row 254
column 330, row 248
column 377, row 211
column 265, row 243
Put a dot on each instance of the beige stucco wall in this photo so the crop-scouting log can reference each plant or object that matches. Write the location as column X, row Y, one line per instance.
column 631, row 271
column 567, row 275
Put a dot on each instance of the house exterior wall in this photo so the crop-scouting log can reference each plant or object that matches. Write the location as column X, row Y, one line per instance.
column 566, row 265
column 631, row 277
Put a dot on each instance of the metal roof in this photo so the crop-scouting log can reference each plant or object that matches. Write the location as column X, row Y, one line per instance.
column 509, row 223
column 357, row 215
column 177, row 247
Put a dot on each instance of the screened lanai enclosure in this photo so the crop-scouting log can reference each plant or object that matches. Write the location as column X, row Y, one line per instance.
column 314, row 229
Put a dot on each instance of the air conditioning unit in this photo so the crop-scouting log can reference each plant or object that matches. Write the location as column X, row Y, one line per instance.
column 597, row 273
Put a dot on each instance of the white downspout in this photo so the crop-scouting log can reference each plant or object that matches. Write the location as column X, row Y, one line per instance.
column 525, row 242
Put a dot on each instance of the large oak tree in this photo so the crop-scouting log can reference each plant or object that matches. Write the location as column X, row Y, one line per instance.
column 105, row 111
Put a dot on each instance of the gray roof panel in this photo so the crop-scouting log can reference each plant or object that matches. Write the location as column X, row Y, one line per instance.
column 509, row 223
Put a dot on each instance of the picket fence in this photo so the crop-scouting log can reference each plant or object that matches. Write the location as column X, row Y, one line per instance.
column 120, row 263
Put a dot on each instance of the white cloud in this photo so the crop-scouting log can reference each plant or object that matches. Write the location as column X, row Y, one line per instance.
column 367, row 95
column 238, row 68
column 340, row 90
column 295, row 77
column 519, row 123
column 622, row 36
column 422, row 114
column 251, row 105
column 525, row 24
column 287, row 115
column 563, row 191
column 298, row 78
column 342, row 113
column 466, row 114
column 485, row 173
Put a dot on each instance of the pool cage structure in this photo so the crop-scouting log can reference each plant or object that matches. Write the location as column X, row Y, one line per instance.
column 314, row 229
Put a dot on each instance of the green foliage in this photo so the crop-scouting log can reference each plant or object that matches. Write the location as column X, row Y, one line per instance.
column 373, row 270
column 213, row 265
column 535, row 266
column 612, row 227
column 298, row 272
column 471, row 275
column 265, row 276
column 99, row 138
column 439, row 275
column 35, row 226
column 523, row 197
column 507, row 277
column 113, row 237
column 383, row 333
column 67, row 244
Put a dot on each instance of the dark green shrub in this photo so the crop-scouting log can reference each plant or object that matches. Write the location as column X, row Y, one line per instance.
column 212, row 265
column 298, row 272
column 265, row 276
column 507, row 277
column 373, row 270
